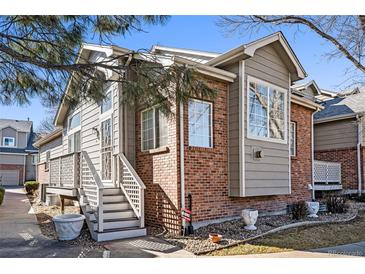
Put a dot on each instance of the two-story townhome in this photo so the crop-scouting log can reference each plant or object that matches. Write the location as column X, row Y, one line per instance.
column 249, row 148
column 18, row 157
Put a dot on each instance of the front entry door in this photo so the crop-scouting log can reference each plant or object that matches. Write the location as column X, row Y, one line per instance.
column 106, row 150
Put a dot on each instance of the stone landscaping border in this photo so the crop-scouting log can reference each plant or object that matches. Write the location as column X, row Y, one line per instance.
column 282, row 228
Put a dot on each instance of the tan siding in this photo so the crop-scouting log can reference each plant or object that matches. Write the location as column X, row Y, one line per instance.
column 335, row 135
column 8, row 132
column 56, row 149
column 266, row 65
column 8, row 159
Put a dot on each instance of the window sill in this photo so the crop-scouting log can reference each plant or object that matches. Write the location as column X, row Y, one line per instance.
column 208, row 149
column 293, row 157
column 164, row 149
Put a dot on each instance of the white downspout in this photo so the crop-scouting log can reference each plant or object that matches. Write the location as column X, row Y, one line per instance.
column 24, row 165
column 358, row 147
column 182, row 169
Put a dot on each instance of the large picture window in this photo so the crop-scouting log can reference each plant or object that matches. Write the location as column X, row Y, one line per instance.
column 200, row 124
column 154, row 128
column 267, row 111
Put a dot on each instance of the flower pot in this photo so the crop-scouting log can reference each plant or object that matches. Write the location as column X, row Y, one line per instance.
column 68, row 226
column 313, row 208
column 215, row 237
column 250, row 217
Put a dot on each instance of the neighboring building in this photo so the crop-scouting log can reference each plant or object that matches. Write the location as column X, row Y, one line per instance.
column 49, row 145
column 128, row 166
column 18, row 157
column 339, row 137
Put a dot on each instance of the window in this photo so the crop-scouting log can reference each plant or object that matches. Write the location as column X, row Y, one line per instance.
column 48, row 157
column 154, row 128
column 74, row 121
column 9, row 142
column 74, row 142
column 106, row 104
column 34, row 159
column 293, row 139
column 266, row 112
column 106, row 150
column 200, row 124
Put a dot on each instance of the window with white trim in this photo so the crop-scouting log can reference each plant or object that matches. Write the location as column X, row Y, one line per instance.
column 267, row 111
column 106, row 104
column 74, row 144
column 74, row 121
column 48, row 158
column 293, row 139
column 9, row 142
column 200, row 124
column 154, row 128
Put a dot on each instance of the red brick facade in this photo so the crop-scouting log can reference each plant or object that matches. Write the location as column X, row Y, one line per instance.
column 348, row 159
column 20, row 168
column 42, row 174
column 206, row 170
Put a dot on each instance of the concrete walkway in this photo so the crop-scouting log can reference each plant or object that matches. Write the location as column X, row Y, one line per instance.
column 20, row 235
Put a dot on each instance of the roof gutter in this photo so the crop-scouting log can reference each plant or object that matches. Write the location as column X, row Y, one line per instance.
column 338, row 117
column 305, row 102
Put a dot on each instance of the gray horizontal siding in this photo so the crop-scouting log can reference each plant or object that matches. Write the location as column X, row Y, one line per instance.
column 335, row 135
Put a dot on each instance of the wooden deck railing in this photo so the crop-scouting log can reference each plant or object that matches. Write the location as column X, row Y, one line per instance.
column 64, row 171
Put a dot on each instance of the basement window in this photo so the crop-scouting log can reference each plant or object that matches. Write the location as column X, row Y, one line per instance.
column 154, row 129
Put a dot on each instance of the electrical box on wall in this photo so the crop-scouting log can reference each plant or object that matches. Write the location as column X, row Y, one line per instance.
column 258, row 153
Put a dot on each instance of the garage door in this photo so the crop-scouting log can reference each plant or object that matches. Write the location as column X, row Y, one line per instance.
column 9, row 177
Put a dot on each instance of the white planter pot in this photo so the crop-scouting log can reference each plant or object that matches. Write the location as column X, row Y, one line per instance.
column 68, row 226
column 313, row 208
column 250, row 217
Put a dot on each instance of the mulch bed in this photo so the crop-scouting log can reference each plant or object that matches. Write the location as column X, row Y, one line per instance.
column 234, row 232
column 44, row 216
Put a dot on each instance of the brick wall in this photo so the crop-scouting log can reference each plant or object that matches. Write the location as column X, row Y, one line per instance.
column 206, row 170
column 348, row 159
column 42, row 174
column 20, row 168
column 159, row 172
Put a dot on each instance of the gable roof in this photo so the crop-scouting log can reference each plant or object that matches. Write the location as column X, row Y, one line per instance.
column 19, row 125
column 48, row 137
column 304, row 86
column 342, row 107
column 246, row 51
column 86, row 49
column 28, row 149
column 193, row 55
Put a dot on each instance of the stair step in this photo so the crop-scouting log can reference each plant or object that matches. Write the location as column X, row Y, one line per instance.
column 111, row 214
column 122, row 233
column 108, row 191
column 114, row 198
column 118, row 223
column 116, row 206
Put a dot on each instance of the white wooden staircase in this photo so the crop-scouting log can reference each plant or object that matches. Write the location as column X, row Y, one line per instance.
column 112, row 213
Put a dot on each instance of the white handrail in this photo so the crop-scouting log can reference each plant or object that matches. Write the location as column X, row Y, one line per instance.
column 133, row 188
column 99, row 189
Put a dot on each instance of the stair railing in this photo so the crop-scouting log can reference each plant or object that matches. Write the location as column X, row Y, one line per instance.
column 132, row 187
column 92, row 187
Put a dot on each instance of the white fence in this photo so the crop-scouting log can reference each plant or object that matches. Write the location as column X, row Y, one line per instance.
column 327, row 172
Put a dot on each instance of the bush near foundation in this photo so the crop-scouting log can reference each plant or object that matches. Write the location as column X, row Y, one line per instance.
column 336, row 203
column 31, row 186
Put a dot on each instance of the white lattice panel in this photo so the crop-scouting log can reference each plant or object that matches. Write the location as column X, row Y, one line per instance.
column 327, row 172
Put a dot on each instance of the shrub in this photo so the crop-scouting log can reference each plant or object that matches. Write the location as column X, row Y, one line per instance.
column 31, row 186
column 336, row 204
column 299, row 210
column 2, row 194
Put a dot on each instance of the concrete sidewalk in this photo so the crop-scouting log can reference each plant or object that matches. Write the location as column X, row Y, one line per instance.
column 20, row 235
